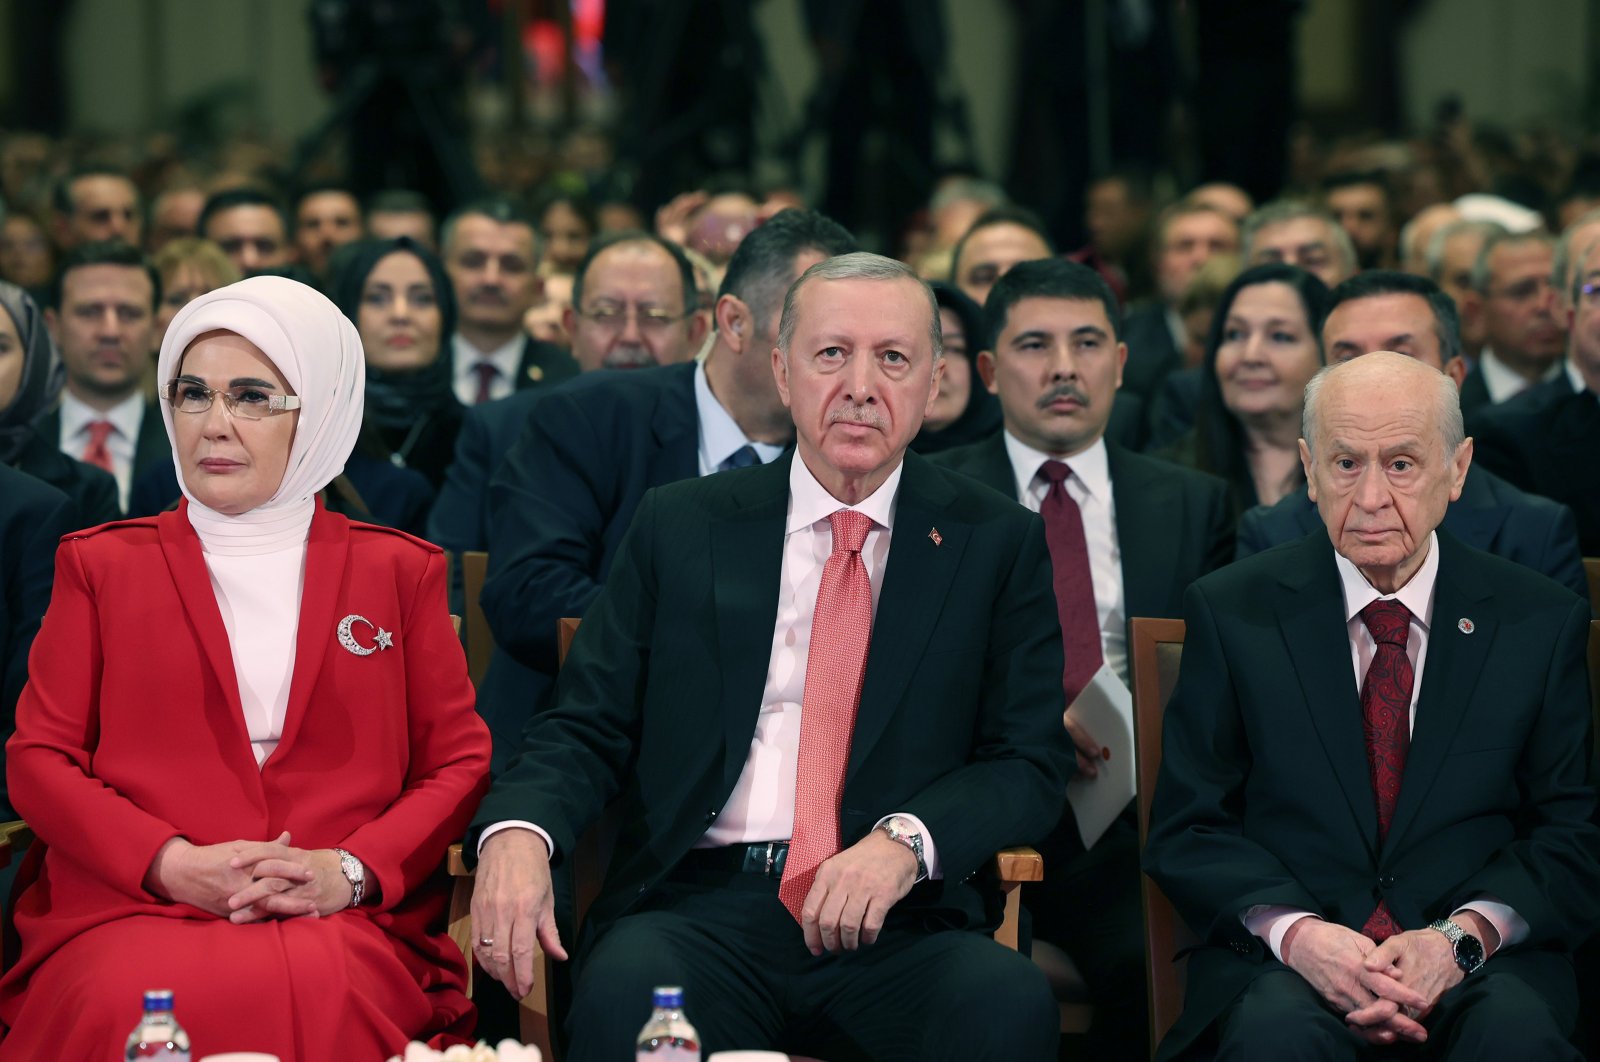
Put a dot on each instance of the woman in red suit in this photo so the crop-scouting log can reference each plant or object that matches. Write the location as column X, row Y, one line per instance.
column 248, row 735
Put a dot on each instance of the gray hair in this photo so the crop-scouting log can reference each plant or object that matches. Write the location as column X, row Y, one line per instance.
column 1564, row 265
column 859, row 265
column 1480, row 268
column 1446, row 410
column 1445, row 233
column 1281, row 210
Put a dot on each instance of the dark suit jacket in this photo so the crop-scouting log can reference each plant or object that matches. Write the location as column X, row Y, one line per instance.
column 460, row 518
column 93, row 490
column 150, row 448
column 33, row 517
column 1151, row 353
column 543, row 365
column 1490, row 515
column 960, row 713
column 1265, row 797
column 558, row 507
column 1474, row 392
column 1546, row 440
column 1173, row 524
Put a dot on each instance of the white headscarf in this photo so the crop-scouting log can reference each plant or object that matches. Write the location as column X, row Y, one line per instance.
column 316, row 349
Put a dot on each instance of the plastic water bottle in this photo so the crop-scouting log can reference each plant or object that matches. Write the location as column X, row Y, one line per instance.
column 668, row 1036
column 158, row 1035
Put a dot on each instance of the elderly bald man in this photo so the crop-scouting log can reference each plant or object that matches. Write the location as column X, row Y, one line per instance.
column 1373, row 804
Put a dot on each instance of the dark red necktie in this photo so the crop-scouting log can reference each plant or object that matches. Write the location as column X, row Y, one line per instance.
column 487, row 372
column 1386, row 719
column 1074, row 586
column 97, row 453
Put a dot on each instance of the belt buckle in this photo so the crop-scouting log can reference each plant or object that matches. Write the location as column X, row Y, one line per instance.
column 771, row 849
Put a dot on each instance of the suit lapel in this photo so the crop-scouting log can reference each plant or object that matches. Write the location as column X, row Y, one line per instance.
column 180, row 546
column 991, row 465
column 676, row 427
column 327, row 550
column 152, row 444
column 1449, row 677
column 746, row 568
column 915, row 583
column 1145, row 506
column 1311, row 616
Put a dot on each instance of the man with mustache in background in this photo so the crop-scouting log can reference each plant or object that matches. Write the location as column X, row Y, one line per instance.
column 1127, row 534
column 490, row 251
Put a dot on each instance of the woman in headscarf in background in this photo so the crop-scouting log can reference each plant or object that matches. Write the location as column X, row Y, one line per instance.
column 964, row 410
column 248, row 737
column 399, row 298
column 30, row 381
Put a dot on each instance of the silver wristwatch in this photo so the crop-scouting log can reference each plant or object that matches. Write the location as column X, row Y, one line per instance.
column 1468, row 948
column 899, row 828
column 354, row 873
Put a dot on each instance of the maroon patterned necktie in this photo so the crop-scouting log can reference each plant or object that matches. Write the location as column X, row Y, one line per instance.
column 1074, row 585
column 1386, row 719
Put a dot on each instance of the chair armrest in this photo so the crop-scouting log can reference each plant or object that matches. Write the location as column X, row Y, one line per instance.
column 13, row 835
column 1016, row 865
column 456, row 863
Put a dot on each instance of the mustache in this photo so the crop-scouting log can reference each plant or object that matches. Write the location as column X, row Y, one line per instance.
column 1064, row 390
column 487, row 294
column 629, row 357
column 867, row 415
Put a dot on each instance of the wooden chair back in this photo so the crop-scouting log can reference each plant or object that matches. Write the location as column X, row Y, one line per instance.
column 480, row 640
column 1591, row 569
column 1155, row 652
column 1594, row 681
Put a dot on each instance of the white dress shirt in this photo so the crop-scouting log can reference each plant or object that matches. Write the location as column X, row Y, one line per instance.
column 1089, row 486
column 505, row 358
column 1503, row 382
column 126, row 418
column 720, row 435
column 1574, row 377
column 1271, row 922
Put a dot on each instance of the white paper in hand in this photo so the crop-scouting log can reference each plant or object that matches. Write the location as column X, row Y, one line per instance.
column 1105, row 708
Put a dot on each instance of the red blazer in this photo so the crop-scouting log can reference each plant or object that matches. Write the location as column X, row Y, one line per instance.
column 130, row 732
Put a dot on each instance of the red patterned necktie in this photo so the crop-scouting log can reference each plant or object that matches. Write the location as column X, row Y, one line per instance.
column 1074, row 585
column 97, row 453
column 487, row 372
column 1386, row 719
column 841, row 628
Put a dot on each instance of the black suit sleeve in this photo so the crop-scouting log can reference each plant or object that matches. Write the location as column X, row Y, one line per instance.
column 574, row 755
column 547, row 519
column 1549, row 873
column 1560, row 557
column 1252, row 537
column 1197, row 851
column 1220, row 528
column 456, row 522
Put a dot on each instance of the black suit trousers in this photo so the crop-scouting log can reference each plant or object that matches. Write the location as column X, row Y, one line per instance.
column 750, row 983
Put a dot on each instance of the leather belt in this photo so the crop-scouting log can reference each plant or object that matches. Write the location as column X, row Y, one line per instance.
column 766, row 859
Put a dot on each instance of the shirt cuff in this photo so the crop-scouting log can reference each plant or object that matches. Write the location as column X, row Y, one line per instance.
column 517, row 824
column 930, row 854
column 1512, row 927
column 1271, row 923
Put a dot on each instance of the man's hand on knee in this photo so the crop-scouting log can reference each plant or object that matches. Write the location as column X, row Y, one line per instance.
column 1332, row 960
column 854, row 891
column 513, row 911
column 1414, row 969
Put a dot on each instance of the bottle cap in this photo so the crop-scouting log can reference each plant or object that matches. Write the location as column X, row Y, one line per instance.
column 158, row 999
column 669, row 996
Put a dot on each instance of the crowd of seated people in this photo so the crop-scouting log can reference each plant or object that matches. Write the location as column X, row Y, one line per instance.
column 264, row 422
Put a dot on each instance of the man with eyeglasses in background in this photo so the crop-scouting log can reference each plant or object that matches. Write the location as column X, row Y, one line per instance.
column 634, row 304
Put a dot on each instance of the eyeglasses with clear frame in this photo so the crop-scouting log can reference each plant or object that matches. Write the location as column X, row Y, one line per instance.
column 614, row 318
column 250, row 403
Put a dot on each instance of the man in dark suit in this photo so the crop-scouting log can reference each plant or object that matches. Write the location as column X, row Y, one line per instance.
column 822, row 692
column 1149, row 529
column 1186, row 236
column 1512, row 301
column 585, row 454
column 491, row 252
column 1381, row 310
column 1545, row 439
column 102, row 317
column 33, row 517
column 1350, row 860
